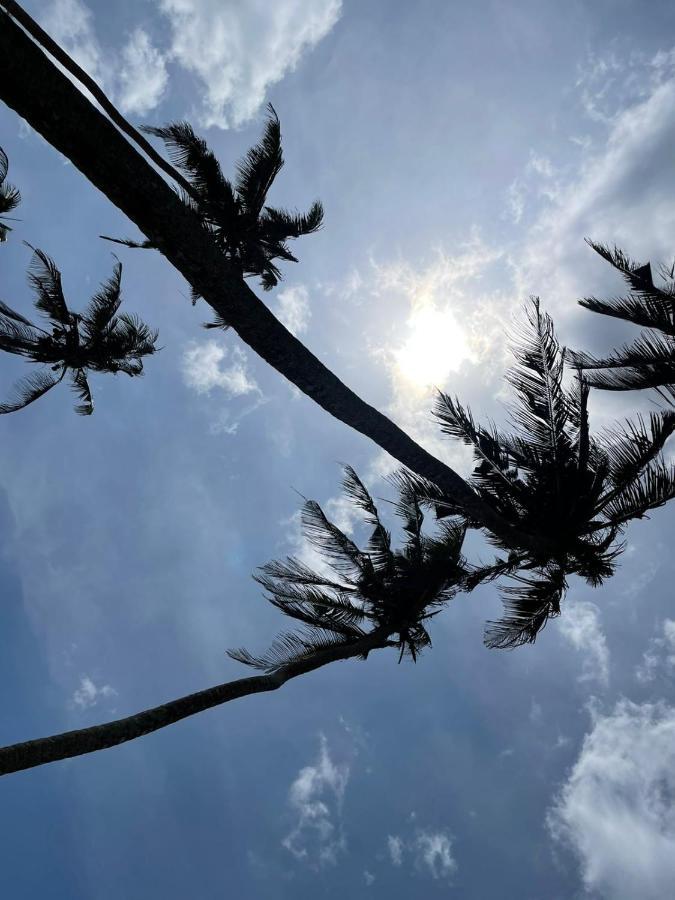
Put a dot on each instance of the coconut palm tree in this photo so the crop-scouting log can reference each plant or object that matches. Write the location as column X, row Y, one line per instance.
column 99, row 340
column 250, row 234
column 9, row 196
column 649, row 362
column 552, row 478
column 361, row 600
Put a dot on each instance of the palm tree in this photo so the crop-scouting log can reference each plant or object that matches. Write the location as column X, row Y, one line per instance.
column 649, row 362
column 9, row 196
column 250, row 234
column 551, row 477
column 99, row 340
column 367, row 599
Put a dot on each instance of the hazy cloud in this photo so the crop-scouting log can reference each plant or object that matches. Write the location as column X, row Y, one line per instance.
column 142, row 77
column 580, row 626
column 88, row 694
column 203, row 369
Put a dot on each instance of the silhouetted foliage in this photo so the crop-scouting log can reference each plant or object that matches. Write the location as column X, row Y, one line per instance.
column 9, row 196
column 552, row 478
column 649, row 362
column 395, row 590
column 249, row 233
column 99, row 340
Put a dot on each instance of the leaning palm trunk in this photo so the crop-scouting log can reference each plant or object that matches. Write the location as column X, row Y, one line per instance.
column 29, row 754
column 33, row 86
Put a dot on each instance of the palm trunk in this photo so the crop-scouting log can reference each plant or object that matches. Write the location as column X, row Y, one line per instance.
column 16, row 757
column 32, row 85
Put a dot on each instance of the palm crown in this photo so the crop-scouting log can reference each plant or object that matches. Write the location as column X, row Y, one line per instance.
column 99, row 340
column 9, row 196
column 552, row 479
column 649, row 362
column 378, row 588
column 249, row 233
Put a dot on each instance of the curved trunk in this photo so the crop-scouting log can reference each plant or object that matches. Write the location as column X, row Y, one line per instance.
column 27, row 755
column 32, row 85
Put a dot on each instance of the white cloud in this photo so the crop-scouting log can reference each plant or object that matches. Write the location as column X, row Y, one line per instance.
column 616, row 809
column 87, row 694
column 434, row 853
column 202, row 369
column 237, row 50
column 316, row 799
column 143, row 77
column 395, row 846
column 293, row 309
column 431, row 851
column 660, row 654
column 580, row 625
column 368, row 877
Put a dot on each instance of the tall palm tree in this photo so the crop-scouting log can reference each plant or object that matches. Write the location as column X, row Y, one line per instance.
column 367, row 599
column 551, row 477
column 250, row 234
column 649, row 362
column 9, row 196
column 99, row 340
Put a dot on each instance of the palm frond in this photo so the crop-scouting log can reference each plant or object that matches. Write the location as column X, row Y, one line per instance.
column 9, row 195
column 104, row 304
column 527, row 606
column 638, row 277
column 632, row 448
column 80, row 386
column 281, row 224
column 289, row 648
column 654, row 488
column 260, row 166
column 341, row 552
column 379, row 543
column 30, row 389
column 45, row 279
column 537, row 379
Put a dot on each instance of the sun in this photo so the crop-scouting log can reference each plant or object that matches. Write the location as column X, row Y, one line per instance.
column 436, row 346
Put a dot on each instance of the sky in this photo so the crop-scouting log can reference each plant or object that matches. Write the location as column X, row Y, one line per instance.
column 462, row 153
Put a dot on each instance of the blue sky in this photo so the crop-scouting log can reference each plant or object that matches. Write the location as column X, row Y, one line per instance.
column 462, row 154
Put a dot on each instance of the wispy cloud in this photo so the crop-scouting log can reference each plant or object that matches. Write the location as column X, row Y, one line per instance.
column 237, row 50
column 580, row 626
column 429, row 850
column 88, row 694
column 203, row 369
column 315, row 797
column 293, row 308
column 659, row 658
column 615, row 811
column 143, row 77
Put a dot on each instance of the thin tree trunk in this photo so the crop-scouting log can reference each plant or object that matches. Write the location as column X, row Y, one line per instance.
column 17, row 757
column 32, row 85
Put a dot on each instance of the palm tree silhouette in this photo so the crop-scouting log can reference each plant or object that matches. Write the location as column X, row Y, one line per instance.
column 392, row 591
column 367, row 599
column 552, row 478
column 649, row 362
column 9, row 196
column 99, row 340
column 250, row 234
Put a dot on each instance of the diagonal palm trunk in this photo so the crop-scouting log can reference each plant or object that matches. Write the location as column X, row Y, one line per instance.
column 32, row 85
column 27, row 755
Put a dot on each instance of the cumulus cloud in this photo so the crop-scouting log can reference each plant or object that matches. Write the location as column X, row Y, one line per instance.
column 203, row 369
column 395, row 848
column 142, row 77
column 580, row 626
column 659, row 658
column 315, row 798
column 88, row 694
column 616, row 809
column 293, row 309
column 237, row 50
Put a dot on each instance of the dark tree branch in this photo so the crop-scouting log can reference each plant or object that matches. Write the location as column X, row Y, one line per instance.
column 38, row 91
column 27, row 755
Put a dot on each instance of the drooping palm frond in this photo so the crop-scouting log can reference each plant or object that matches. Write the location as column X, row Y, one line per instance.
column 9, row 196
column 289, row 648
column 528, row 606
column 378, row 588
column 250, row 234
column 648, row 362
column 98, row 341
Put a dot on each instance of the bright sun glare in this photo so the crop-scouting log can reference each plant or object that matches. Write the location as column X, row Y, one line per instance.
column 436, row 346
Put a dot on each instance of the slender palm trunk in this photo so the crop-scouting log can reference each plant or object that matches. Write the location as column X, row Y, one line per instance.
column 16, row 757
column 32, row 85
